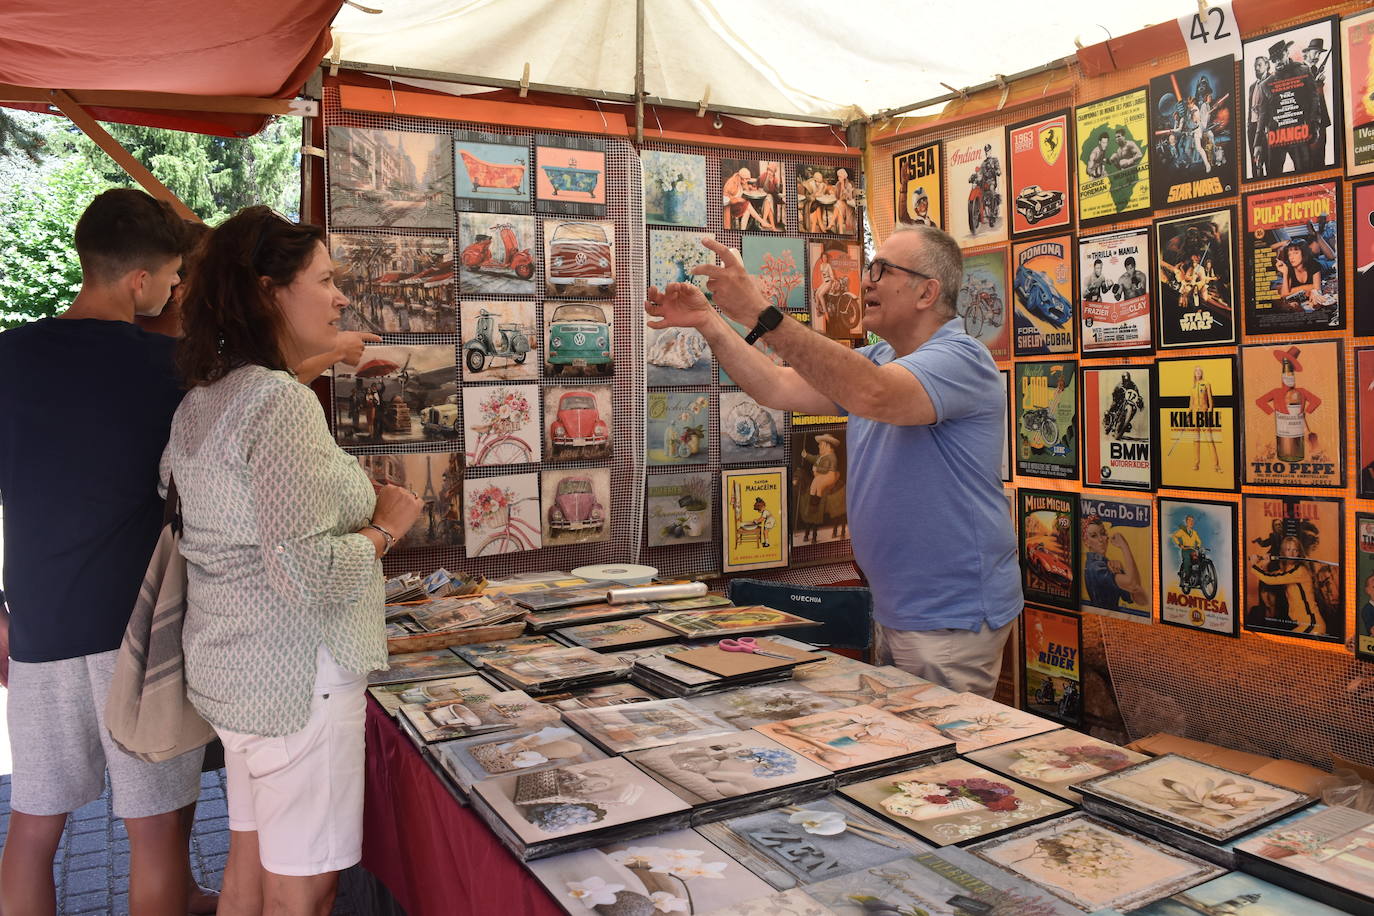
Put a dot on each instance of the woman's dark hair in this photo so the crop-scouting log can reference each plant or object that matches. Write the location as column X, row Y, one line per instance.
column 230, row 317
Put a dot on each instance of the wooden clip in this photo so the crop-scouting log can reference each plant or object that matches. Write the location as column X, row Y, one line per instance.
column 308, row 150
column 1006, row 90
column 701, row 105
column 1078, row 42
column 525, row 81
column 963, row 93
column 335, row 53
column 1202, row 9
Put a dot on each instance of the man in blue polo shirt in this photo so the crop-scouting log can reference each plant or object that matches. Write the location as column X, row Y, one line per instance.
column 927, row 407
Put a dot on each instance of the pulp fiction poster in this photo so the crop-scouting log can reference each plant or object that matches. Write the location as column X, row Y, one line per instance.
column 1042, row 286
column 1364, row 414
column 1292, row 259
column 982, row 301
column 1294, row 550
column 754, row 516
column 1193, row 129
column 1114, row 293
column 1196, row 297
column 1197, row 565
column 1364, row 586
column 917, row 187
column 1291, row 114
column 976, row 166
column 1357, row 56
column 1047, row 419
column 1362, row 219
column 1113, row 157
column 1195, row 410
column 1294, row 417
column 1117, row 542
column 1038, row 174
column 1052, row 687
column 1118, row 448
column 1049, row 547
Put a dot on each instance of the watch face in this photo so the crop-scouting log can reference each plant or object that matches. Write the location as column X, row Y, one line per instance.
column 771, row 317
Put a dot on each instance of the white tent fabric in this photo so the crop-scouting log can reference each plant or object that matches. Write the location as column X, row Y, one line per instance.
column 832, row 59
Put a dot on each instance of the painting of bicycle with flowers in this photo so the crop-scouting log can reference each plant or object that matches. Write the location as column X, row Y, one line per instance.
column 501, row 424
column 501, row 514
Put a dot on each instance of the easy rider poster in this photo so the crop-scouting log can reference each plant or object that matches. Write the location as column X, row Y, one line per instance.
column 1197, row 565
column 1051, row 646
column 1294, row 556
column 1114, row 293
column 1193, row 130
column 982, row 301
column 1117, row 538
column 1113, row 157
column 1043, row 294
column 1195, row 410
column 1049, row 546
column 1294, row 414
column 1047, row 419
column 1118, row 448
column 1038, row 174
column 977, row 188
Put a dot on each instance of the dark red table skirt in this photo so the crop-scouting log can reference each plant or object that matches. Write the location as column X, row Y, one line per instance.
column 433, row 854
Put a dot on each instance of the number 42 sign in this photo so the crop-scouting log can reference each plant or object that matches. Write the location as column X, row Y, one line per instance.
column 1210, row 33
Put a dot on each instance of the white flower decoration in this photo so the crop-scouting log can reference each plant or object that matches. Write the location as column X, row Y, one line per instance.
column 821, row 823
column 651, row 857
column 697, row 870
column 665, row 902
column 594, row 892
column 528, row 759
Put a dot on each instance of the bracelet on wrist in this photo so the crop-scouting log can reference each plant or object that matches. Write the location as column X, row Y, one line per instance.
column 387, row 537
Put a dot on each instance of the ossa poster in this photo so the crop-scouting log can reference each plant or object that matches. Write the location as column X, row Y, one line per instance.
column 1292, row 118
column 1118, row 448
column 1294, row 416
column 1195, row 409
column 1195, row 254
column 1047, row 419
column 1357, row 55
column 976, row 168
column 1294, row 550
column 982, row 301
column 1053, row 682
column 754, row 518
column 1362, row 219
column 1049, row 547
column 1113, row 157
column 1114, row 293
column 1038, row 157
column 1118, row 545
column 1042, row 284
column 1193, row 129
column 1364, row 414
column 1197, row 565
column 917, row 187
column 1292, row 258
column 1364, row 586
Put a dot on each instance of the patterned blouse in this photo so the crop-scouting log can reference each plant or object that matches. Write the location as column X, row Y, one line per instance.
column 270, row 507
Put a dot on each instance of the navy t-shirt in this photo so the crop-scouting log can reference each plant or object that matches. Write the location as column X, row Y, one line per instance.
column 85, row 410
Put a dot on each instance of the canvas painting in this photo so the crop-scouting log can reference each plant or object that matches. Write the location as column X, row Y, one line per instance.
column 837, row 290
column 578, row 423
column 779, row 263
column 1114, row 293
column 1295, row 566
column 1117, row 540
column 1332, row 846
column 1056, row 761
column 577, row 506
column 501, row 424
column 1040, row 192
column 491, row 172
column 1239, row 893
column 678, row 509
column 705, row 770
column 1053, row 678
column 470, row 760
column 579, row 341
column 502, row 514
column 827, row 199
column 1357, row 55
column 496, row 254
column 973, row 722
column 1195, row 294
column 443, row 714
column 539, row 672
column 918, row 192
column 673, row 255
column 1292, row 116
column 1364, row 586
column 579, row 258
column 675, row 356
column 1049, row 546
column 571, row 175
column 751, row 706
column 674, row 188
column 677, row 425
column 597, row 695
column 886, row 688
column 749, row 431
column 391, row 697
column 731, row 621
column 857, row 736
column 977, row 202
column 754, row 518
column 1043, row 296
column 1294, row 413
column 640, row 726
column 1118, row 445
column 437, row 478
column 395, row 284
column 1113, row 157
column 396, row 393
column 819, row 471
column 389, row 178
column 1197, row 565
column 585, row 613
column 477, row 654
column 1193, row 121
column 751, row 195
column 616, row 634
column 1195, row 406
column 983, row 299
column 794, row 902
column 1046, row 408
column 419, row 666
column 1292, row 257
column 501, row 340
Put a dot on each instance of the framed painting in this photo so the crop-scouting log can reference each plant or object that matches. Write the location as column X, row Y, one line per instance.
column 674, row 188
column 1038, row 174
column 1295, row 566
column 571, row 175
column 983, row 299
column 1118, row 426
column 918, row 194
column 491, row 172
column 1118, row 545
column 1292, row 255
column 1294, row 414
column 395, row 284
column 1292, row 114
column 1197, row 565
column 1043, row 291
column 1112, row 157
column 1049, row 546
column 981, row 219
column 1195, row 403
column 1114, row 293
column 1194, row 128
column 754, row 527
column 396, row 393
column 389, row 179
column 1196, row 298
column 1046, row 403
column 752, row 196
column 1052, row 681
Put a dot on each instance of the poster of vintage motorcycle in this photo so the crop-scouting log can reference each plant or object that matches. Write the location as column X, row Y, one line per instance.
column 491, row 172
column 395, row 284
column 983, row 299
column 1197, row 565
column 1195, row 300
column 1047, row 419
column 1048, row 535
column 501, row 340
column 1114, row 293
column 977, row 188
column 571, row 175
column 1052, row 649
column 1118, row 445
column 1292, row 109
column 1113, row 157
column 495, row 254
column 836, row 307
column 1193, row 130
column 1038, row 182
column 1294, row 414
column 1294, row 556
column 1117, row 538
column 1362, row 256
column 1292, row 259
column 918, row 194
column 1357, row 58
column 1364, row 586
column 1195, row 403
column 1364, row 420
column 1043, row 294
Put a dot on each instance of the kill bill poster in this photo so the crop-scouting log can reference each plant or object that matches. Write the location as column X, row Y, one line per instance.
column 1193, row 130
column 1364, row 413
column 1196, row 299
column 1113, row 155
column 1042, row 286
column 977, row 203
column 1052, row 687
column 1049, row 547
column 1292, row 116
column 1114, row 287
column 1118, row 449
column 1195, row 411
column 1294, row 417
column 983, row 299
column 1117, row 542
column 1197, row 565
column 754, row 533
column 1038, row 162
column 1294, row 549
column 1357, row 56
column 1364, row 586
column 1047, row 419
column 1292, row 258
column 917, row 187
column 1362, row 219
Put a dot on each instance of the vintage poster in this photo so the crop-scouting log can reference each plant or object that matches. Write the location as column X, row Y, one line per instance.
column 1113, row 157
column 579, row 258
column 1008, row 434
column 495, row 254
column 437, row 478
column 1364, row 586
column 1193, row 131
column 502, row 514
column 397, row 393
column 676, row 427
column 779, row 263
column 571, row 175
column 577, row 505
column 977, row 201
column 395, row 284
column 1362, row 219
column 1043, row 294
column 819, row 472
column 828, row 199
column 751, row 195
column 983, row 299
column 501, row 424
column 501, row 340
column 1047, row 419
column 1197, row 565
column 1364, row 420
column 674, row 188
column 1118, row 448
column 836, row 290
column 749, row 431
column 1357, row 58
column 753, row 518
column 578, row 423
column 1294, row 557
column 1195, row 408
column 678, row 509
column 1118, row 548
column 491, row 172
column 1052, row 686
column 1049, row 546
column 1196, row 292
column 1114, row 293
column 1294, row 414
column 1038, row 174
column 917, row 189
column 1292, row 110
column 389, row 178
column 578, row 339
column 1292, row 259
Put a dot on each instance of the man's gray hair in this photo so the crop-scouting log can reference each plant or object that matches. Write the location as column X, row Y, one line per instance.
column 942, row 259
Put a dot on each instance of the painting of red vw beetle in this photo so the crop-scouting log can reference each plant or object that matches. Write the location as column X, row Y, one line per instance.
column 579, row 258
column 575, row 505
column 579, row 424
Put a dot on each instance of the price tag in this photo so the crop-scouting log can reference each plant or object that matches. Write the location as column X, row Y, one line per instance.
column 1210, row 33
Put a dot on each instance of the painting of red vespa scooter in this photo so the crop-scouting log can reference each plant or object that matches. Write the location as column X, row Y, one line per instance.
column 495, row 254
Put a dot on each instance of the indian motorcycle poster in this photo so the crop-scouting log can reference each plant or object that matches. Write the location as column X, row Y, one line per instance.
column 1197, row 564
column 1118, row 448
column 917, row 187
column 1114, row 293
column 1294, row 417
column 1195, row 410
column 1364, row 586
column 1357, row 56
column 977, row 203
column 1196, row 294
column 1049, row 546
column 1113, row 157
column 1193, row 131
column 1051, row 648
column 754, row 515
column 1292, row 259
column 1117, row 573
column 982, row 301
column 1046, row 419
column 1292, row 116
column 1042, row 287
column 1294, row 552
column 1038, row 174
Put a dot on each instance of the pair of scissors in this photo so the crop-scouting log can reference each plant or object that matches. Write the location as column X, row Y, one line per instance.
column 748, row 644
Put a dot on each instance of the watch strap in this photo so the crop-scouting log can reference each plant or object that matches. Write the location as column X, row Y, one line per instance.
column 769, row 319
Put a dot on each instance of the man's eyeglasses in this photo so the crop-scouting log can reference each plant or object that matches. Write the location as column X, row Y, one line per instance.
column 878, row 266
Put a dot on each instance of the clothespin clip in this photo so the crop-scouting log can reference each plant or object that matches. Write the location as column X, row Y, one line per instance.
column 1202, row 9
column 962, row 93
column 335, row 53
column 308, row 150
column 701, row 105
column 525, row 81
column 1006, row 89
column 1077, row 43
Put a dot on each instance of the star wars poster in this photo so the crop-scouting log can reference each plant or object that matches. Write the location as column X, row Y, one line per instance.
column 1362, row 219
column 1197, row 565
column 1117, row 539
column 976, row 166
column 1051, row 646
column 1043, row 293
column 1049, row 547
column 1291, row 107
column 1195, row 298
column 1047, row 419
column 1118, row 450
column 1294, row 414
column 1193, row 129
column 1038, row 174
column 982, row 301
column 1357, row 57
column 754, row 518
column 917, row 187
column 1114, row 293
column 1292, row 259
column 1364, row 586
column 1294, row 550
column 1113, row 157
column 819, row 472
column 1364, row 415
column 1195, row 410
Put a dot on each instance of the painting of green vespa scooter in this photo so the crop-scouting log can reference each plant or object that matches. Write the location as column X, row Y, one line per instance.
column 500, row 341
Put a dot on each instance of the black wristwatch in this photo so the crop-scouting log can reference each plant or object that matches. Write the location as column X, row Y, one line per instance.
column 769, row 319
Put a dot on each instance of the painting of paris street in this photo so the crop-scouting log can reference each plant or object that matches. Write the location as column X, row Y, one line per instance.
column 395, row 284
column 390, row 178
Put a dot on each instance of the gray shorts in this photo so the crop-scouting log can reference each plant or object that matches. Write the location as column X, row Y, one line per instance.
column 62, row 750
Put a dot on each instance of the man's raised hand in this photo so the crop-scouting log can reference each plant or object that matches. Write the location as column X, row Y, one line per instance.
column 679, row 305
column 734, row 291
